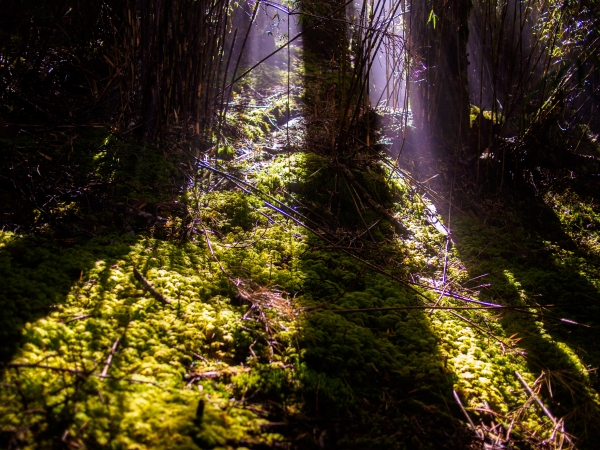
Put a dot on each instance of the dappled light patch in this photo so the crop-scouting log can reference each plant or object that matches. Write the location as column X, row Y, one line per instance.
column 109, row 363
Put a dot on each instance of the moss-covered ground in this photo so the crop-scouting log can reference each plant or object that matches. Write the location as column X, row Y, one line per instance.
column 245, row 339
column 267, row 296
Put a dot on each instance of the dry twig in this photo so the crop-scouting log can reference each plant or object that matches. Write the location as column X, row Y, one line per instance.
column 157, row 295
column 558, row 424
column 109, row 359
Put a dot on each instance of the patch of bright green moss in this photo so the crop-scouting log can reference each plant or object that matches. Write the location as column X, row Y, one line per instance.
column 144, row 400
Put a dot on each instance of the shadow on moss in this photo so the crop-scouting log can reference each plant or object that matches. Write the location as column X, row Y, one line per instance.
column 360, row 380
column 530, row 260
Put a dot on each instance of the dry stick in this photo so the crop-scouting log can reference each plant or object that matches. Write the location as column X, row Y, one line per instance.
column 43, row 366
column 495, row 305
column 218, row 373
column 344, row 21
column 466, row 414
column 380, row 209
column 394, row 168
column 161, row 298
column 399, row 308
column 541, row 404
column 406, row 97
column 211, row 42
column 223, row 12
column 350, row 254
column 372, row 266
column 439, row 298
column 488, row 333
column 391, row 71
column 212, row 253
column 315, row 213
column 368, row 229
column 110, row 357
column 240, row 294
column 455, row 296
column 73, row 319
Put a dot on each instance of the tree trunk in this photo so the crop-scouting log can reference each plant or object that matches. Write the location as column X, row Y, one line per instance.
column 439, row 94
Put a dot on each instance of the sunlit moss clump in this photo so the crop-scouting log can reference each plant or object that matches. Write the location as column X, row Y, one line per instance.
column 108, row 363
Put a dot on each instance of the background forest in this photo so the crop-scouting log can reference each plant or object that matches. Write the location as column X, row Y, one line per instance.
column 370, row 224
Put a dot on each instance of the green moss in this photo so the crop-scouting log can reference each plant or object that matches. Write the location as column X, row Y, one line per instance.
column 363, row 379
column 226, row 211
column 157, row 344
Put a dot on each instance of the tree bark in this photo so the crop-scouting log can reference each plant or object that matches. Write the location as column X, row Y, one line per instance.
column 439, row 94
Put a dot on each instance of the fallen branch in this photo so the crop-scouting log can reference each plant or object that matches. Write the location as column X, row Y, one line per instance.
column 46, row 367
column 78, row 372
column 400, row 228
column 113, row 350
column 158, row 296
column 214, row 374
column 400, row 308
column 73, row 319
column 212, row 253
column 518, row 309
column 436, row 304
column 368, row 229
column 467, row 415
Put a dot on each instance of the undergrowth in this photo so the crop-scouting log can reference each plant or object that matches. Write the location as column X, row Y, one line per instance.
column 243, row 355
column 241, row 328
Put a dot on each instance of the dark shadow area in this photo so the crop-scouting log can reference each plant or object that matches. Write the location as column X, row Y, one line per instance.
column 83, row 181
column 368, row 383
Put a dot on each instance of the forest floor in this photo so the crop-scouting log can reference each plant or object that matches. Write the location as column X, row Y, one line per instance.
column 280, row 299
